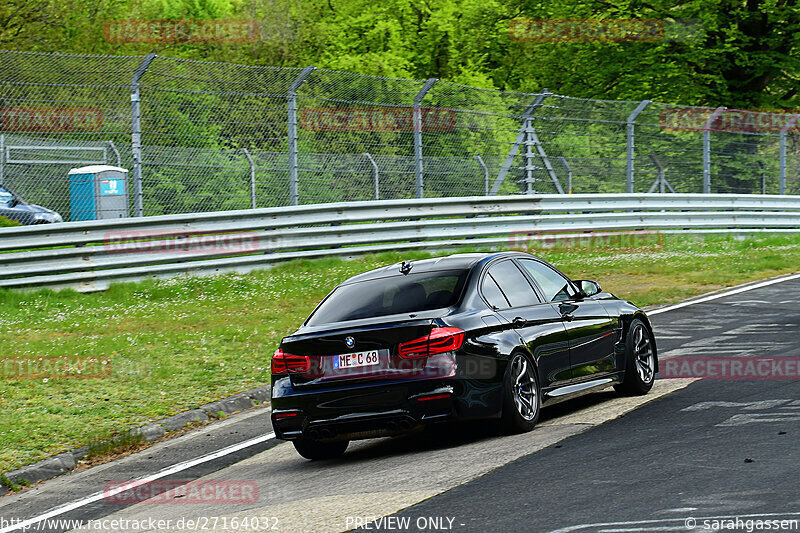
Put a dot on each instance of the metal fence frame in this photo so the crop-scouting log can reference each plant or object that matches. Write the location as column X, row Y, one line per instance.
column 179, row 124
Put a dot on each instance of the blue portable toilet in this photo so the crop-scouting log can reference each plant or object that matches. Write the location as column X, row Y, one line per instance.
column 98, row 192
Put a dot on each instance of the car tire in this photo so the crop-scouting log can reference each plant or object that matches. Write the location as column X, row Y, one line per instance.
column 317, row 450
column 521, row 398
column 640, row 360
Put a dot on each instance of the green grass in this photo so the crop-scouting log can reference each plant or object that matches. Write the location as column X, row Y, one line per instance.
column 174, row 345
column 119, row 443
column 8, row 484
column 7, row 223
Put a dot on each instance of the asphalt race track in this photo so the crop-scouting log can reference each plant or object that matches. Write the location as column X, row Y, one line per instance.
column 694, row 455
column 714, row 449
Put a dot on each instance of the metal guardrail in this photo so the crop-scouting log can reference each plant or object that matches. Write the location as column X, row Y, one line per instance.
column 91, row 255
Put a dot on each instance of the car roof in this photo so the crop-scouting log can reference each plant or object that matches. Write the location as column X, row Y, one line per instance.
column 449, row 262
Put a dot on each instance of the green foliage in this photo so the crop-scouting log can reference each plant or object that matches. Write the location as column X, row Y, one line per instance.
column 740, row 54
column 6, row 222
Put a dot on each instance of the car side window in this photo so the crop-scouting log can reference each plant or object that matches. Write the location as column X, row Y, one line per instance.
column 555, row 286
column 512, row 282
column 493, row 294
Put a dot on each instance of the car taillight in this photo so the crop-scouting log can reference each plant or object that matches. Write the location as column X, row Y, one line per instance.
column 435, row 397
column 283, row 363
column 440, row 340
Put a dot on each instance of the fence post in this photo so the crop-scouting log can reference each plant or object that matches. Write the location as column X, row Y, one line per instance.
column 116, row 152
column 2, row 156
column 252, row 177
column 630, row 145
column 291, row 100
column 782, row 156
column 545, row 159
column 479, row 159
column 376, row 174
column 659, row 182
column 521, row 136
column 419, row 184
column 707, row 149
column 528, row 157
column 136, row 134
column 782, row 163
column 569, row 173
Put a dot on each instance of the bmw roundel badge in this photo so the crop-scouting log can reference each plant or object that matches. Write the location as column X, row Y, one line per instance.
column 349, row 342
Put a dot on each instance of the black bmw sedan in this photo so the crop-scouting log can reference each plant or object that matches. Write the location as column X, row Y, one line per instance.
column 469, row 336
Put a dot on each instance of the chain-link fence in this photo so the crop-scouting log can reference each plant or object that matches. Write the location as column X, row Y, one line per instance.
column 199, row 136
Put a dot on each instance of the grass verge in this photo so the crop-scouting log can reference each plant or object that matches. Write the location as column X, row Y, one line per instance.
column 174, row 345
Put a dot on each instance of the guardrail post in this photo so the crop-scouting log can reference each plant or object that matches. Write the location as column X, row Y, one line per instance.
column 136, row 134
column 521, row 136
column 376, row 174
column 569, row 173
column 419, row 184
column 252, row 177
column 479, row 159
column 630, row 144
column 707, row 149
column 291, row 101
column 116, row 152
column 782, row 156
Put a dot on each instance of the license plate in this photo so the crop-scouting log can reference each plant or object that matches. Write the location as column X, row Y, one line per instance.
column 355, row 360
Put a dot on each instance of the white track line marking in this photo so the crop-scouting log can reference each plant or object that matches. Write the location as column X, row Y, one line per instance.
column 174, row 469
column 718, row 295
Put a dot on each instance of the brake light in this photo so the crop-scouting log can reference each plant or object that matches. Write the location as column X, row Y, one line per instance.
column 440, row 340
column 283, row 363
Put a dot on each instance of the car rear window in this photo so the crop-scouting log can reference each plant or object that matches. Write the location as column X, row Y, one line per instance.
column 390, row 296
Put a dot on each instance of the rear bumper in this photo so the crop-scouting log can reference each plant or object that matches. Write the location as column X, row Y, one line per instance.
column 364, row 412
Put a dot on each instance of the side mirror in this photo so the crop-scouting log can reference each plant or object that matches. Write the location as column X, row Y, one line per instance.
column 589, row 287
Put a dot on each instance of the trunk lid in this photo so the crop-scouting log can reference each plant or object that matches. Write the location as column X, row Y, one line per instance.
column 357, row 352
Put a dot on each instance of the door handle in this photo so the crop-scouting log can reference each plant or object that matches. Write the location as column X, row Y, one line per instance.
column 569, row 317
column 518, row 322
